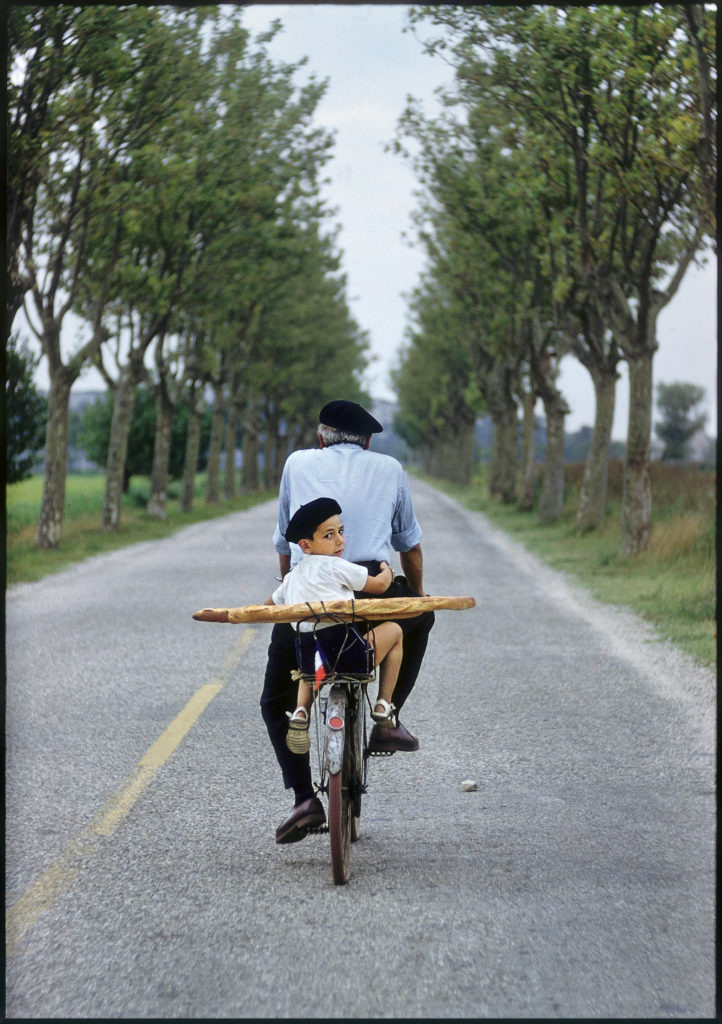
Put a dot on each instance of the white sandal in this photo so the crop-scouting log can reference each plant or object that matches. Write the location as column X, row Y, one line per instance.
column 387, row 716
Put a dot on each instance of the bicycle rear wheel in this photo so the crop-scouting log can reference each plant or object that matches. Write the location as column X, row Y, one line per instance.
column 355, row 828
column 339, row 823
column 358, row 771
column 345, row 787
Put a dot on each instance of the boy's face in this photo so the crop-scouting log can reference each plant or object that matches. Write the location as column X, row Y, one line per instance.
column 328, row 538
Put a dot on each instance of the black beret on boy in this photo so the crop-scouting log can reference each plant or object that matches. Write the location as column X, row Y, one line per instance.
column 307, row 517
column 349, row 417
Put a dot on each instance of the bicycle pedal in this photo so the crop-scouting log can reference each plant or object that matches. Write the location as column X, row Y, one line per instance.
column 381, row 753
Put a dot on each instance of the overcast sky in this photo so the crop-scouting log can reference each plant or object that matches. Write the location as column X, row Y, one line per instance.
column 372, row 66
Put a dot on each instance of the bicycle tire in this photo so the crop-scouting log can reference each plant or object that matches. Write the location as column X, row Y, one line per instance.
column 355, row 828
column 345, row 787
column 338, row 757
column 357, row 736
column 339, row 824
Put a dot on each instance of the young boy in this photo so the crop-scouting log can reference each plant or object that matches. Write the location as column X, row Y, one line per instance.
column 324, row 575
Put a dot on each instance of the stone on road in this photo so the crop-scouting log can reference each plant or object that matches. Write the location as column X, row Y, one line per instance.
column 547, row 852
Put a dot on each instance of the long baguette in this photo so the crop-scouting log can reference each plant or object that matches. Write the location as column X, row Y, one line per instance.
column 373, row 608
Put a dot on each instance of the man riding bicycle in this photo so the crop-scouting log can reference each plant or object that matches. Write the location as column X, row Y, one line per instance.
column 379, row 517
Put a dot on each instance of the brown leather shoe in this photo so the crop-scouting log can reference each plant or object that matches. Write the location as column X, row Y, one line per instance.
column 300, row 820
column 386, row 739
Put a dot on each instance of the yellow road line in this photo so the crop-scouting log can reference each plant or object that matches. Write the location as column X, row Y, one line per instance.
column 61, row 874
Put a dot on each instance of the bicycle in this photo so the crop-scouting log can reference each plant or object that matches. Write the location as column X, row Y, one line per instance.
column 341, row 751
column 340, row 720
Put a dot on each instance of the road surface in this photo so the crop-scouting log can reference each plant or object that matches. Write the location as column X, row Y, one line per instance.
column 576, row 880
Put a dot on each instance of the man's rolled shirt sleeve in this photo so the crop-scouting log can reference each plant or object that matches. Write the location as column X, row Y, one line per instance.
column 280, row 543
column 405, row 530
column 407, row 539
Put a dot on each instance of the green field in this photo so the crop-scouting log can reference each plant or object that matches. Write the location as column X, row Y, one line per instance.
column 673, row 585
column 82, row 536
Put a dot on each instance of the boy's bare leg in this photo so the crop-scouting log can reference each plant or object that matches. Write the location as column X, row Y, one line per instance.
column 303, row 700
column 387, row 641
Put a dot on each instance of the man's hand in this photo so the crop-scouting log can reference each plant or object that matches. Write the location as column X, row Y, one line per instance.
column 379, row 584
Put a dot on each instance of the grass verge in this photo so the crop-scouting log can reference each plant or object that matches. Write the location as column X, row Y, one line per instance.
column 672, row 585
column 82, row 536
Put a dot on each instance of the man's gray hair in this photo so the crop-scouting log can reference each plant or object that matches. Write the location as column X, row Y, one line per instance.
column 331, row 436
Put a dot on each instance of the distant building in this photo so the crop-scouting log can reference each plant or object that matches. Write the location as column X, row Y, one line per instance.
column 701, row 448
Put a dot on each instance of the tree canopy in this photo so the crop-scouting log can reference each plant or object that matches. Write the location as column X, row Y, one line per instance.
column 166, row 186
column 565, row 191
column 25, row 412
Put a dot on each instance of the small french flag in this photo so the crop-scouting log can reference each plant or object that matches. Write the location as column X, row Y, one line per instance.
column 320, row 668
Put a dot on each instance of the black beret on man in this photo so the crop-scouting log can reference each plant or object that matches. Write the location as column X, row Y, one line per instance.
column 350, row 417
column 307, row 517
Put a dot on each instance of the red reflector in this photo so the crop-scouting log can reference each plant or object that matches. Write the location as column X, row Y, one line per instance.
column 335, row 722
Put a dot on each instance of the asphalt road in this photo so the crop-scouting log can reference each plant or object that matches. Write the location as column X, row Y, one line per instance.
column 143, row 879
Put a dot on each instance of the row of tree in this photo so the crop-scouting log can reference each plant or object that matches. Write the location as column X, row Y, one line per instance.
column 680, row 407
column 89, row 427
column 566, row 187
column 164, row 187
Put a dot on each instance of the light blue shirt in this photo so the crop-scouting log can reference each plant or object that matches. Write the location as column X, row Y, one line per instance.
column 372, row 490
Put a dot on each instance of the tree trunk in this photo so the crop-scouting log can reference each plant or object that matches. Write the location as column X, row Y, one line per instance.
column 527, row 479
column 276, row 446
column 161, row 453
column 504, row 455
column 118, row 447
column 308, row 438
column 249, row 470
column 499, row 383
column 213, row 478
column 552, row 494
column 593, row 495
column 451, row 455
column 52, row 506
column 280, row 446
column 190, row 464
column 637, row 496
column 268, row 459
column 229, row 480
